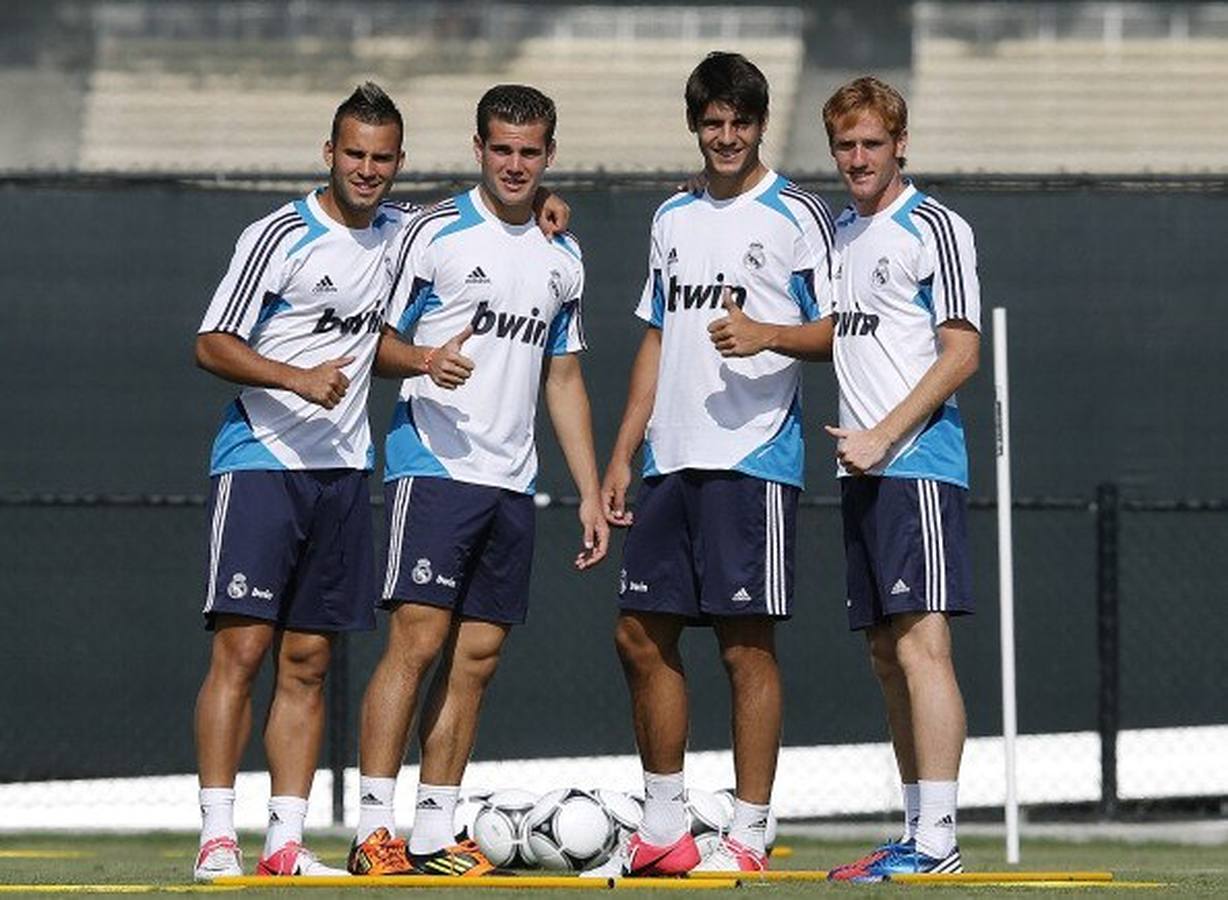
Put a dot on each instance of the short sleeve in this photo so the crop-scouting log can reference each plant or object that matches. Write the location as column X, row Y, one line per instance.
column 413, row 276
column 566, row 334
column 255, row 278
column 950, row 255
column 651, row 307
column 813, row 256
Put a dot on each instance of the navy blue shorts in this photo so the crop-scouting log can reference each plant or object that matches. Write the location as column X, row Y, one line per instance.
column 710, row 543
column 906, row 545
column 293, row 548
column 464, row 547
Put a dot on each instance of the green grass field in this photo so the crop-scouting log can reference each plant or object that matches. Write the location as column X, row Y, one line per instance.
column 162, row 862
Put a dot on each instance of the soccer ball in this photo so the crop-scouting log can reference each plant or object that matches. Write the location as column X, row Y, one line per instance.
column 706, row 819
column 498, row 828
column 626, row 811
column 727, row 796
column 570, row 830
column 467, row 809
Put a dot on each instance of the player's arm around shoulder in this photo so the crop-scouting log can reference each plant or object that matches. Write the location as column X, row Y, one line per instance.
column 571, row 414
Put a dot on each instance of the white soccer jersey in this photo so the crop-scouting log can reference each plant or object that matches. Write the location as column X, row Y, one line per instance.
column 303, row 289
column 771, row 246
column 458, row 264
column 901, row 273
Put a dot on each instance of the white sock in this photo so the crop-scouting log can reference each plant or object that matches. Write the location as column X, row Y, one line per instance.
column 749, row 826
column 375, row 806
column 433, row 815
column 217, row 814
column 286, row 815
column 664, row 809
column 936, row 820
column 912, row 810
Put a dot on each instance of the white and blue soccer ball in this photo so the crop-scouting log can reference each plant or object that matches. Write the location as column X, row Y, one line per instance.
column 499, row 828
column 626, row 811
column 569, row 830
column 708, row 817
column 467, row 809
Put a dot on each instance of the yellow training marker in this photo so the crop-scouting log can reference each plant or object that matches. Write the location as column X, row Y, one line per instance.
column 111, row 888
column 46, row 854
column 686, row 883
column 779, row 852
column 1004, row 878
column 768, row 875
column 415, row 881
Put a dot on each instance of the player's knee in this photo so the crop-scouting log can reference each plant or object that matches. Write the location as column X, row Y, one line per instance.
column 884, row 660
column 303, row 668
column 237, row 657
column 636, row 648
column 917, row 654
column 748, row 662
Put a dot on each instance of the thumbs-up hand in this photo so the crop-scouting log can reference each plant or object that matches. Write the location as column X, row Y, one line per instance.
column 447, row 366
column 736, row 333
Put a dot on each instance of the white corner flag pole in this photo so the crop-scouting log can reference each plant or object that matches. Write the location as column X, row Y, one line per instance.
column 1006, row 578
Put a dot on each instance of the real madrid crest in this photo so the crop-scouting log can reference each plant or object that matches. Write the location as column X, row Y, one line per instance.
column 882, row 272
column 755, row 258
column 422, row 571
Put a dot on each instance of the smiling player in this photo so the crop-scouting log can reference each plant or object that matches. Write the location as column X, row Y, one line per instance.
column 475, row 278
column 716, row 406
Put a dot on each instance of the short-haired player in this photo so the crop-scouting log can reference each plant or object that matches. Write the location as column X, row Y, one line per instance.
column 712, row 536
column 907, row 337
column 476, row 279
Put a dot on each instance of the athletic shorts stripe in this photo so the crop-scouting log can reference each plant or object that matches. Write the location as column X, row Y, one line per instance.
column 396, row 534
column 215, row 534
column 935, row 552
column 775, row 595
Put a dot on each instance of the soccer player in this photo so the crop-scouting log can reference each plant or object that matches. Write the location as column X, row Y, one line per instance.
column 475, row 278
column 907, row 336
column 715, row 402
column 295, row 321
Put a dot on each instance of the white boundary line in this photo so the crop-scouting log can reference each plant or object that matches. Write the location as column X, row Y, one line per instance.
column 812, row 782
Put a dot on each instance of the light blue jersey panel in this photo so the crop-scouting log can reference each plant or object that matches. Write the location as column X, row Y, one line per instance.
column 236, row 446
column 783, row 457
column 938, row 452
column 404, row 452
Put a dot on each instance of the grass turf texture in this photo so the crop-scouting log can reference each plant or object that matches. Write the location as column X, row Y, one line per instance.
column 165, row 861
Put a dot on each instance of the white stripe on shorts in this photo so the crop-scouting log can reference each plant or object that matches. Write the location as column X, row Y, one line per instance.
column 215, row 535
column 935, row 550
column 774, row 592
column 396, row 534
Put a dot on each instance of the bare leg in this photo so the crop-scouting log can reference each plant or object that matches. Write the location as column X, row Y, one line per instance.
column 295, row 727
column 224, row 704
column 648, row 648
column 923, row 648
column 450, row 719
column 416, row 633
column 748, row 650
column 881, row 640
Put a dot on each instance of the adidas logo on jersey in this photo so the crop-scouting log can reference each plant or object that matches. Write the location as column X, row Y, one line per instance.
column 324, row 286
column 899, row 588
column 702, row 296
column 672, row 258
column 527, row 329
column 742, row 596
column 477, row 276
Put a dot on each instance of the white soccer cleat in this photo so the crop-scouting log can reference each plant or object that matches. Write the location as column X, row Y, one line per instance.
column 732, row 856
column 295, row 859
column 218, row 858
